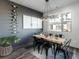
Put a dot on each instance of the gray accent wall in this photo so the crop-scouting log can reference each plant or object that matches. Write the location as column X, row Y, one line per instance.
column 23, row 10
column 23, row 34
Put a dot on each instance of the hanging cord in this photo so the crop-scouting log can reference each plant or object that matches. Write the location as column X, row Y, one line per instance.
column 45, row 9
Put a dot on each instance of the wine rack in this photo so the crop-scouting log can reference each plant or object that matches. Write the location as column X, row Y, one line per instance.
column 13, row 18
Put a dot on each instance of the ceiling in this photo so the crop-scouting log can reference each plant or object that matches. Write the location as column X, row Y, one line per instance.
column 39, row 5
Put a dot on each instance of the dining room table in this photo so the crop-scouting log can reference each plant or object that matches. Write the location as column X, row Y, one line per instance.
column 51, row 39
column 55, row 41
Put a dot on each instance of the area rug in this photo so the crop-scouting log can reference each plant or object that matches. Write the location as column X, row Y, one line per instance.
column 59, row 55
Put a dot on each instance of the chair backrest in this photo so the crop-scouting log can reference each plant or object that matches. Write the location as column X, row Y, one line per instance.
column 67, row 44
column 34, row 37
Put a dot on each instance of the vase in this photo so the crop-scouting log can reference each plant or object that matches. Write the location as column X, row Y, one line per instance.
column 4, row 51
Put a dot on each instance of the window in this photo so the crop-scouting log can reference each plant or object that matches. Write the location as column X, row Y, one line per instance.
column 55, row 27
column 67, row 22
column 34, row 22
column 55, row 23
column 31, row 22
column 26, row 22
column 39, row 23
column 67, row 27
column 60, row 22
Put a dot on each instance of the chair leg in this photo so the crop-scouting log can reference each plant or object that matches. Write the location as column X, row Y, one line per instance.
column 52, row 49
column 41, row 49
column 34, row 46
column 38, row 48
column 67, row 54
column 64, row 54
column 55, row 52
column 46, row 53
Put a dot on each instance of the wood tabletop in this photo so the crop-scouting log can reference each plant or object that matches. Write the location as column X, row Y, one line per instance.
column 52, row 39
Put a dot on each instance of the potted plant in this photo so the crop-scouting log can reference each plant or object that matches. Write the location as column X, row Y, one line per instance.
column 6, row 44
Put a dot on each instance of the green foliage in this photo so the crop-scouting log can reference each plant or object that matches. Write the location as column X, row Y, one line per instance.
column 7, row 41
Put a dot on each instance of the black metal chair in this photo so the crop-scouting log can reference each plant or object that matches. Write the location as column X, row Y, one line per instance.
column 37, row 43
column 46, row 47
column 64, row 49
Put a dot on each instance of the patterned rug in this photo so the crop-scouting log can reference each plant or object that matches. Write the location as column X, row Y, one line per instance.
column 26, row 54
column 59, row 55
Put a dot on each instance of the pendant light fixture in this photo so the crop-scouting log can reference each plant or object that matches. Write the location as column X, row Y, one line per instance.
column 45, row 10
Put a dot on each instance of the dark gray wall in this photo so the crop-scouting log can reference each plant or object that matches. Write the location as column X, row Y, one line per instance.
column 22, row 33
column 26, row 32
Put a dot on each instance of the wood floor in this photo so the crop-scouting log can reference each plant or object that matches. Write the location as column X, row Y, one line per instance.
column 40, row 56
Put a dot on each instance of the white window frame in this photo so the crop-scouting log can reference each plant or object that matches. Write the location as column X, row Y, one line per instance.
column 38, row 25
column 63, row 21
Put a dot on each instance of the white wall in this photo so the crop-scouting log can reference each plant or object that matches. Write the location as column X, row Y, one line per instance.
column 74, row 35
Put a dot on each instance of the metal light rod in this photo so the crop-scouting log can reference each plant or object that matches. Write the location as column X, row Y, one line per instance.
column 47, row 0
